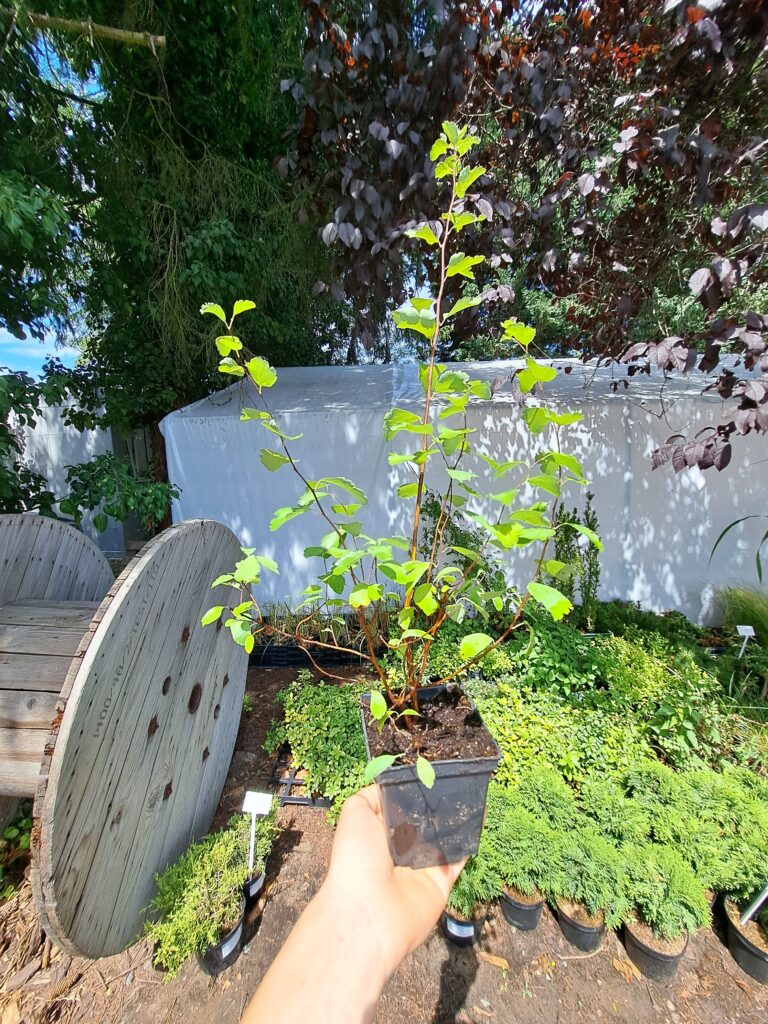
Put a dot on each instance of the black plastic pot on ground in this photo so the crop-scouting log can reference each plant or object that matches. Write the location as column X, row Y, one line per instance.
column 252, row 889
column 215, row 959
column 293, row 656
column 521, row 913
column 440, row 825
column 750, row 957
column 657, row 960
column 459, row 931
column 586, row 934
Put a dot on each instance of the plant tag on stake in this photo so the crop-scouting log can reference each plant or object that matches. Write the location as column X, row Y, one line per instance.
column 258, row 805
column 746, row 632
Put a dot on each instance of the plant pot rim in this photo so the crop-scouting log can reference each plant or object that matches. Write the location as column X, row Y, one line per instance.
column 735, row 923
column 578, row 924
column 653, row 951
column 536, row 900
column 398, row 771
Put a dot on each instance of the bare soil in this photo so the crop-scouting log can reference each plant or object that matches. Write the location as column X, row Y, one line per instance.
column 528, row 898
column 510, row 977
column 448, row 727
column 753, row 931
column 671, row 947
column 579, row 913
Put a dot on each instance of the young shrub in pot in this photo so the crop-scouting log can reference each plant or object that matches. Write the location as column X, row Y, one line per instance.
column 748, row 942
column 667, row 903
column 516, row 845
column 467, row 908
column 432, row 754
column 199, row 904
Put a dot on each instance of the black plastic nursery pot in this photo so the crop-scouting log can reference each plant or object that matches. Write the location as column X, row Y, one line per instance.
column 293, row 656
column 656, row 964
column 459, row 931
column 751, row 958
column 522, row 914
column 586, row 937
column 440, row 825
column 215, row 959
column 252, row 889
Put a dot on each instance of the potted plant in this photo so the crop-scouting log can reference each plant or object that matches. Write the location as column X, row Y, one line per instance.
column 467, row 908
column 427, row 745
column 668, row 903
column 748, row 936
column 199, row 905
column 586, row 878
column 516, row 845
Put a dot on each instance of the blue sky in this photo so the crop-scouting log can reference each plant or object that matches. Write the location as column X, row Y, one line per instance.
column 30, row 355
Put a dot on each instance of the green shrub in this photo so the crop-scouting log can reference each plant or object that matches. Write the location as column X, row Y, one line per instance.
column 544, row 793
column 587, row 868
column 744, row 606
column 620, row 819
column 199, row 896
column 322, row 725
column 515, row 844
column 664, row 891
column 476, row 885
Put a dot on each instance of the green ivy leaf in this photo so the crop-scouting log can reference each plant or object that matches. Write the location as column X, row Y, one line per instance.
column 261, row 373
column 242, row 306
column 557, row 604
column 228, row 365
column 519, row 332
column 533, row 374
column 425, row 772
column 227, row 343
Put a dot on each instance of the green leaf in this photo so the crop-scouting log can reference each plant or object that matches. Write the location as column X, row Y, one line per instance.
column 473, row 644
column 550, row 484
column 378, row 705
column 249, row 413
column 557, row 604
column 376, row 766
column 439, row 147
column 408, row 317
column 425, row 772
column 463, row 303
column 345, row 485
column 451, row 131
column 554, row 566
column 100, row 522
column 360, row 598
column 459, row 221
column 228, row 365
column 212, row 615
column 537, row 418
column 261, row 373
column 533, row 374
column 227, row 577
column 248, row 570
column 585, row 531
column 519, row 332
column 461, row 264
column 467, row 178
column 424, row 598
column 242, row 306
column 227, row 343
column 565, row 419
column 408, row 490
column 424, row 232
column 282, row 515
column 215, row 309
column 272, row 460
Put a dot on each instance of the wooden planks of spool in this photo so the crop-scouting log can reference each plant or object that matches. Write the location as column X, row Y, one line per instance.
column 118, row 714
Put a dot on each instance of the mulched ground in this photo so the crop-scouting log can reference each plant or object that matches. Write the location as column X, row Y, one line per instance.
column 520, row 977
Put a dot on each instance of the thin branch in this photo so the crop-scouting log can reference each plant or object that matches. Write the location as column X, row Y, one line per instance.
column 83, row 28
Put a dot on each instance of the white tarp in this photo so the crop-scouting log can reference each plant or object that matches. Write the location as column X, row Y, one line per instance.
column 658, row 527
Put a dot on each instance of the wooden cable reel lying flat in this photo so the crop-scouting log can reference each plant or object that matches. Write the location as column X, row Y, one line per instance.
column 118, row 713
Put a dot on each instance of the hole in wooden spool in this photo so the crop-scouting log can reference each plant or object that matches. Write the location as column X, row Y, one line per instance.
column 217, row 711
column 185, row 634
column 219, row 624
column 206, row 752
column 167, row 791
column 194, row 698
column 226, row 678
column 166, row 684
column 153, row 727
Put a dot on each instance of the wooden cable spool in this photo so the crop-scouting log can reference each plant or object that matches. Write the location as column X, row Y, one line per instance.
column 118, row 714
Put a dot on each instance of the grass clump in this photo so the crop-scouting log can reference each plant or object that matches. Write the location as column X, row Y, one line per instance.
column 745, row 606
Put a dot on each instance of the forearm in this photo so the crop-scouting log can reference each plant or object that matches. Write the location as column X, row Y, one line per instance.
column 330, row 969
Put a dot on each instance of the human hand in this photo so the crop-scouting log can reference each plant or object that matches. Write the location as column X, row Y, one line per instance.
column 399, row 906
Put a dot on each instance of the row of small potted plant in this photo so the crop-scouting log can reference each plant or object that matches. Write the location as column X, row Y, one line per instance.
column 533, row 849
column 201, row 901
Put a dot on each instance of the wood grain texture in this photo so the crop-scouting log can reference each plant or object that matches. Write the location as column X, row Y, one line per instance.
column 27, row 710
column 44, row 559
column 33, row 672
column 42, row 638
column 131, row 775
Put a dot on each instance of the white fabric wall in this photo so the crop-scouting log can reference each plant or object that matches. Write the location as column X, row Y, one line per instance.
column 51, row 446
column 658, row 527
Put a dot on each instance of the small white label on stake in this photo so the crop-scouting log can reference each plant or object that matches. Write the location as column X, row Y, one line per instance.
column 745, row 630
column 257, row 803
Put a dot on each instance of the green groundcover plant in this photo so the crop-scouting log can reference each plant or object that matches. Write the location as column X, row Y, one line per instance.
column 424, row 590
column 200, row 896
